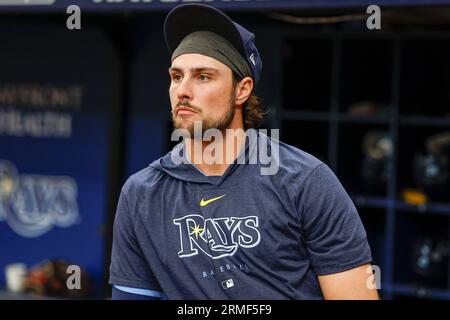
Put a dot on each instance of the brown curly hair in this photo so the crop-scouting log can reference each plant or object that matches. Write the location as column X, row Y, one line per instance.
column 253, row 110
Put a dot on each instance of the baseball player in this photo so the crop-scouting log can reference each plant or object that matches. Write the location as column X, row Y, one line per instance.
column 224, row 230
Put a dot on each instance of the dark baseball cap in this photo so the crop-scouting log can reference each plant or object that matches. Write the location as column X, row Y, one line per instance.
column 187, row 18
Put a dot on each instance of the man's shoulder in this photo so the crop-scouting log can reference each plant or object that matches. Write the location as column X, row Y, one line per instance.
column 144, row 179
column 295, row 156
column 293, row 159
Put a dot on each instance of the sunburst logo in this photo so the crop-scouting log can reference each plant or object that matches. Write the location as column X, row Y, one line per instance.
column 197, row 230
column 8, row 181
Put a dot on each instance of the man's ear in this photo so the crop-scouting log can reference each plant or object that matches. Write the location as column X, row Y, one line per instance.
column 243, row 91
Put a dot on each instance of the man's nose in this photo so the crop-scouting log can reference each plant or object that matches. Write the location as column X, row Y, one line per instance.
column 184, row 90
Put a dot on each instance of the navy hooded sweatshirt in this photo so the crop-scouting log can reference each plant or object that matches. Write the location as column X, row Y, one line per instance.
column 243, row 235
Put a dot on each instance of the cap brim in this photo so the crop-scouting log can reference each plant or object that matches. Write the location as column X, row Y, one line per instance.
column 187, row 18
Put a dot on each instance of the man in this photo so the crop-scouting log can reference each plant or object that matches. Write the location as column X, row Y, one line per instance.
column 222, row 229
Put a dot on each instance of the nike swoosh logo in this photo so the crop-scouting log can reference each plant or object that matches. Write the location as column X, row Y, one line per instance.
column 204, row 202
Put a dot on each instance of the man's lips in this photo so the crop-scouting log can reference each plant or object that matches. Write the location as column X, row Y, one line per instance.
column 184, row 110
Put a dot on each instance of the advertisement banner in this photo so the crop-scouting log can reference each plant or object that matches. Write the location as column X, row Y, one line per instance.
column 57, row 91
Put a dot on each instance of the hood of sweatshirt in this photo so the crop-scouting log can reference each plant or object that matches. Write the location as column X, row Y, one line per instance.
column 186, row 171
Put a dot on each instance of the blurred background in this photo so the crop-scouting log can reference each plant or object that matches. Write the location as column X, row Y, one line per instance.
column 81, row 110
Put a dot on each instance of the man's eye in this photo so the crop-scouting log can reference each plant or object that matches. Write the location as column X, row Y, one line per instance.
column 203, row 77
column 176, row 77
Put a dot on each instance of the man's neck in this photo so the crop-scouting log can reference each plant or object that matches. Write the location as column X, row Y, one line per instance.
column 214, row 157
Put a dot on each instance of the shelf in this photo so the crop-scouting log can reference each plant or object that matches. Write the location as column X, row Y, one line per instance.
column 425, row 121
column 305, row 115
column 372, row 202
column 418, row 291
column 408, row 89
column 442, row 208
column 345, row 118
column 430, row 208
